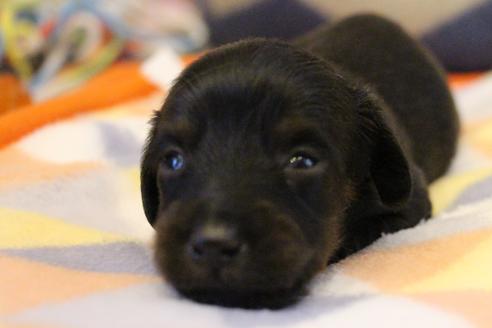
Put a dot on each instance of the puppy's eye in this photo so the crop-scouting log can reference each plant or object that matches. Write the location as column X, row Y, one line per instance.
column 301, row 161
column 174, row 161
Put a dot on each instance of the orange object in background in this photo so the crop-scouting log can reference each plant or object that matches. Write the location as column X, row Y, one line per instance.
column 120, row 82
column 458, row 80
column 188, row 59
column 12, row 93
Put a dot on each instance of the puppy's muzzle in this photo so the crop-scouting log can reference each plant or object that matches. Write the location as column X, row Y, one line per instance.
column 215, row 246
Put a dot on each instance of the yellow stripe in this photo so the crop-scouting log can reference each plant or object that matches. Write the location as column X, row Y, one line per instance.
column 445, row 191
column 20, row 229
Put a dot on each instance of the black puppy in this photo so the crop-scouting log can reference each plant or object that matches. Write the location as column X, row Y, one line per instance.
column 270, row 160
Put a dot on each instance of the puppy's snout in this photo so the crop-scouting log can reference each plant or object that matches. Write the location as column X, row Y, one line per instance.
column 215, row 246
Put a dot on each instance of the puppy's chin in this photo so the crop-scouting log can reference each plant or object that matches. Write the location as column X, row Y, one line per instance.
column 275, row 295
column 279, row 293
column 271, row 299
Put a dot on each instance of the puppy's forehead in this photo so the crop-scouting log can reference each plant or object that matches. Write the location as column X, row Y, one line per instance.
column 296, row 130
column 249, row 71
column 252, row 87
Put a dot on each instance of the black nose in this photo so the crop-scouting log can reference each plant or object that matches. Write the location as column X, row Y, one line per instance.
column 215, row 245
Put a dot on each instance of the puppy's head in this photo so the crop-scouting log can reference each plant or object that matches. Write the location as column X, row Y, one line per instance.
column 249, row 167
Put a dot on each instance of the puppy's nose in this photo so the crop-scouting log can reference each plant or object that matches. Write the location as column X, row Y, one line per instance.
column 215, row 246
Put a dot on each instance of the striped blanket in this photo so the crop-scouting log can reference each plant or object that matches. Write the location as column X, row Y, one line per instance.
column 75, row 247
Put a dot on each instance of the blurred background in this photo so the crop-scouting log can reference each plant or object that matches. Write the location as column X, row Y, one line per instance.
column 48, row 47
column 79, row 81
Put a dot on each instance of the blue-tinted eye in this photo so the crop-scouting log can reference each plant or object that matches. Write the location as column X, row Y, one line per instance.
column 302, row 161
column 174, row 161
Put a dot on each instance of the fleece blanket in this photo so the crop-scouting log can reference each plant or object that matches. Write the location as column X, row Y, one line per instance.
column 76, row 249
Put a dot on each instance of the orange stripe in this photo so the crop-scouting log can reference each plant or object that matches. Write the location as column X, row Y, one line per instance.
column 121, row 82
column 21, row 290
column 20, row 169
column 471, row 304
column 397, row 269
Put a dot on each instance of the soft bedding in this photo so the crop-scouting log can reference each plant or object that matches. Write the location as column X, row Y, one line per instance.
column 76, row 249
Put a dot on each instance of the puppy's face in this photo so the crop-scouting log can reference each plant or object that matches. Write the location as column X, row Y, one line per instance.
column 247, row 173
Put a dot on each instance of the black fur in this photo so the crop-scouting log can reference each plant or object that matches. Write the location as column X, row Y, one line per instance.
column 362, row 98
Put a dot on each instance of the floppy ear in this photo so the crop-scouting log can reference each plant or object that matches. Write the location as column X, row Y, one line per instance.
column 388, row 165
column 148, row 176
